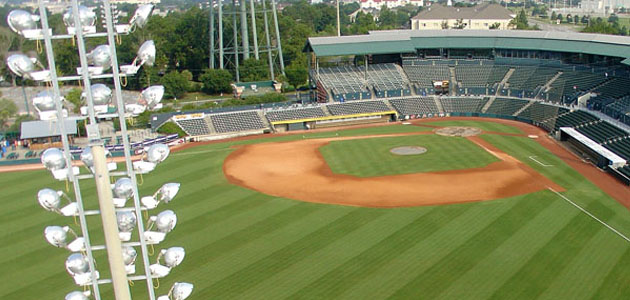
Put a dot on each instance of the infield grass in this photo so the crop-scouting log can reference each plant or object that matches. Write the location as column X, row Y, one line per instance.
column 244, row 245
column 372, row 157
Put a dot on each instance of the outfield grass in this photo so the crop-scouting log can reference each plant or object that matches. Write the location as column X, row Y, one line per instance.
column 483, row 125
column 244, row 245
column 371, row 157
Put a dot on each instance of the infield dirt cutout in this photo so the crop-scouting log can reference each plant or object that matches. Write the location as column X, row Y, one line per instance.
column 297, row 170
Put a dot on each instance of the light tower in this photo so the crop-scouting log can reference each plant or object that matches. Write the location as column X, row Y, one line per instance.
column 233, row 47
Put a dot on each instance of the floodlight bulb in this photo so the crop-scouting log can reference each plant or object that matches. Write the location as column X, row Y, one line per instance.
column 86, row 15
column 77, row 264
column 44, row 101
column 100, row 57
column 157, row 153
column 20, row 64
column 173, row 256
column 123, row 188
column 20, row 20
column 76, row 295
column 126, row 221
column 49, row 199
column 181, row 290
column 152, row 95
column 129, row 255
column 141, row 16
column 101, row 94
column 56, row 235
column 166, row 221
column 53, row 159
column 168, row 191
column 146, row 53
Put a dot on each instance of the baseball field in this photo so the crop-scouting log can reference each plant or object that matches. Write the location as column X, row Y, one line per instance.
column 336, row 215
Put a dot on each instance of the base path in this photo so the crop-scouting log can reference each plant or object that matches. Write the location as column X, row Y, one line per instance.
column 297, row 170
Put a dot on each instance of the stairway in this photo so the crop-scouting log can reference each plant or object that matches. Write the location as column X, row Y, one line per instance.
column 523, row 108
column 326, row 111
column 453, row 84
column 507, row 77
column 389, row 105
column 262, row 116
column 210, row 126
column 485, row 107
column 438, row 104
column 548, row 84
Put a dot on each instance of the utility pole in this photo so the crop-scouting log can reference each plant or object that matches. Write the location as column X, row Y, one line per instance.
column 235, row 42
column 338, row 22
column 211, row 33
column 244, row 35
column 221, row 64
column 254, row 32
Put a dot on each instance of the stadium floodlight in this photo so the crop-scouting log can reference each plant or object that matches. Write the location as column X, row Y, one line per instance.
column 101, row 98
column 172, row 258
column 149, row 98
column 129, row 258
column 53, row 160
column 164, row 223
column 78, row 267
column 87, row 17
column 123, row 190
column 145, row 56
column 179, row 291
column 58, row 237
column 126, row 224
column 139, row 19
column 45, row 105
column 50, row 200
column 24, row 66
column 76, row 295
column 99, row 59
column 88, row 159
column 24, row 23
column 165, row 194
column 155, row 154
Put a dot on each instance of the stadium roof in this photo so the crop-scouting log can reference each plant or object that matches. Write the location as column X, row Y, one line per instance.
column 39, row 129
column 486, row 11
column 407, row 41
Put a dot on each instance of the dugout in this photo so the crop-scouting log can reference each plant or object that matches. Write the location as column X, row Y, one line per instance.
column 601, row 156
column 334, row 121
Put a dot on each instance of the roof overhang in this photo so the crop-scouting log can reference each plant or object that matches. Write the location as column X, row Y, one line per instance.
column 408, row 41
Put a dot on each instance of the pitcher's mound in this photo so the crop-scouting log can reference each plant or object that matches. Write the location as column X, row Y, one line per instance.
column 458, row 131
column 408, row 150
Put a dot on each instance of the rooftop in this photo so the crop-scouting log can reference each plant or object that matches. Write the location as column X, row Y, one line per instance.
column 39, row 129
column 486, row 11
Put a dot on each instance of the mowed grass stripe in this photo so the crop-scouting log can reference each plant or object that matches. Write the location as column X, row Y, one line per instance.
column 425, row 252
column 615, row 285
column 505, row 260
column 289, row 255
column 483, row 125
column 337, row 254
column 543, row 268
column 583, row 276
column 333, row 283
column 437, row 278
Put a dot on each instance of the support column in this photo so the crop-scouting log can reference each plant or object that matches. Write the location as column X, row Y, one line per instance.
column 211, row 33
column 269, row 55
column 244, row 34
column 275, row 21
column 252, row 8
column 221, row 50
column 235, row 41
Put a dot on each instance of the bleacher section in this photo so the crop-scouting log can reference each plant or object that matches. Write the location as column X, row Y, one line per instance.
column 570, row 83
column 479, row 75
column 625, row 170
column 387, row 80
column 344, row 82
column 614, row 88
column 471, row 105
column 294, row 114
column 506, row 106
column 526, row 80
column 193, row 126
column 425, row 75
column 357, row 108
column 539, row 113
column 601, row 132
column 240, row 121
column 573, row 119
column 415, row 106
column 621, row 147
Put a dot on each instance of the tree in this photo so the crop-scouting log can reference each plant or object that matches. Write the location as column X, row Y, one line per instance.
column 8, row 109
column 296, row 75
column 170, row 128
column 560, row 18
column 553, row 15
column 175, row 84
column 584, row 19
column 613, row 18
column 496, row 25
column 216, row 81
column 17, row 124
column 74, row 97
column 254, row 70
column 576, row 19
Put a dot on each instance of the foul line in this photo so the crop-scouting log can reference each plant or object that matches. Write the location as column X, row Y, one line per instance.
column 540, row 163
column 591, row 215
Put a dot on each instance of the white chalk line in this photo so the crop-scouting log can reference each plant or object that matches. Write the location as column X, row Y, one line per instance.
column 539, row 162
column 591, row 215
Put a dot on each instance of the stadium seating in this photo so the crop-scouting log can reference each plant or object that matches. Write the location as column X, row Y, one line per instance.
column 357, row 108
column 621, row 147
column 539, row 112
column 615, row 87
column 240, row 121
column 565, row 87
column 194, row 126
column 344, row 82
column 479, row 75
column 573, row 119
column 601, row 131
column 625, row 170
column 506, row 106
column 294, row 114
column 386, row 78
column 465, row 105
column 426, row 74
column 415, row 106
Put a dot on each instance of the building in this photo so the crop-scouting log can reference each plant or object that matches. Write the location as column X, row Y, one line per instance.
column 45, row 134
column 483, row 16
column 377, row 4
